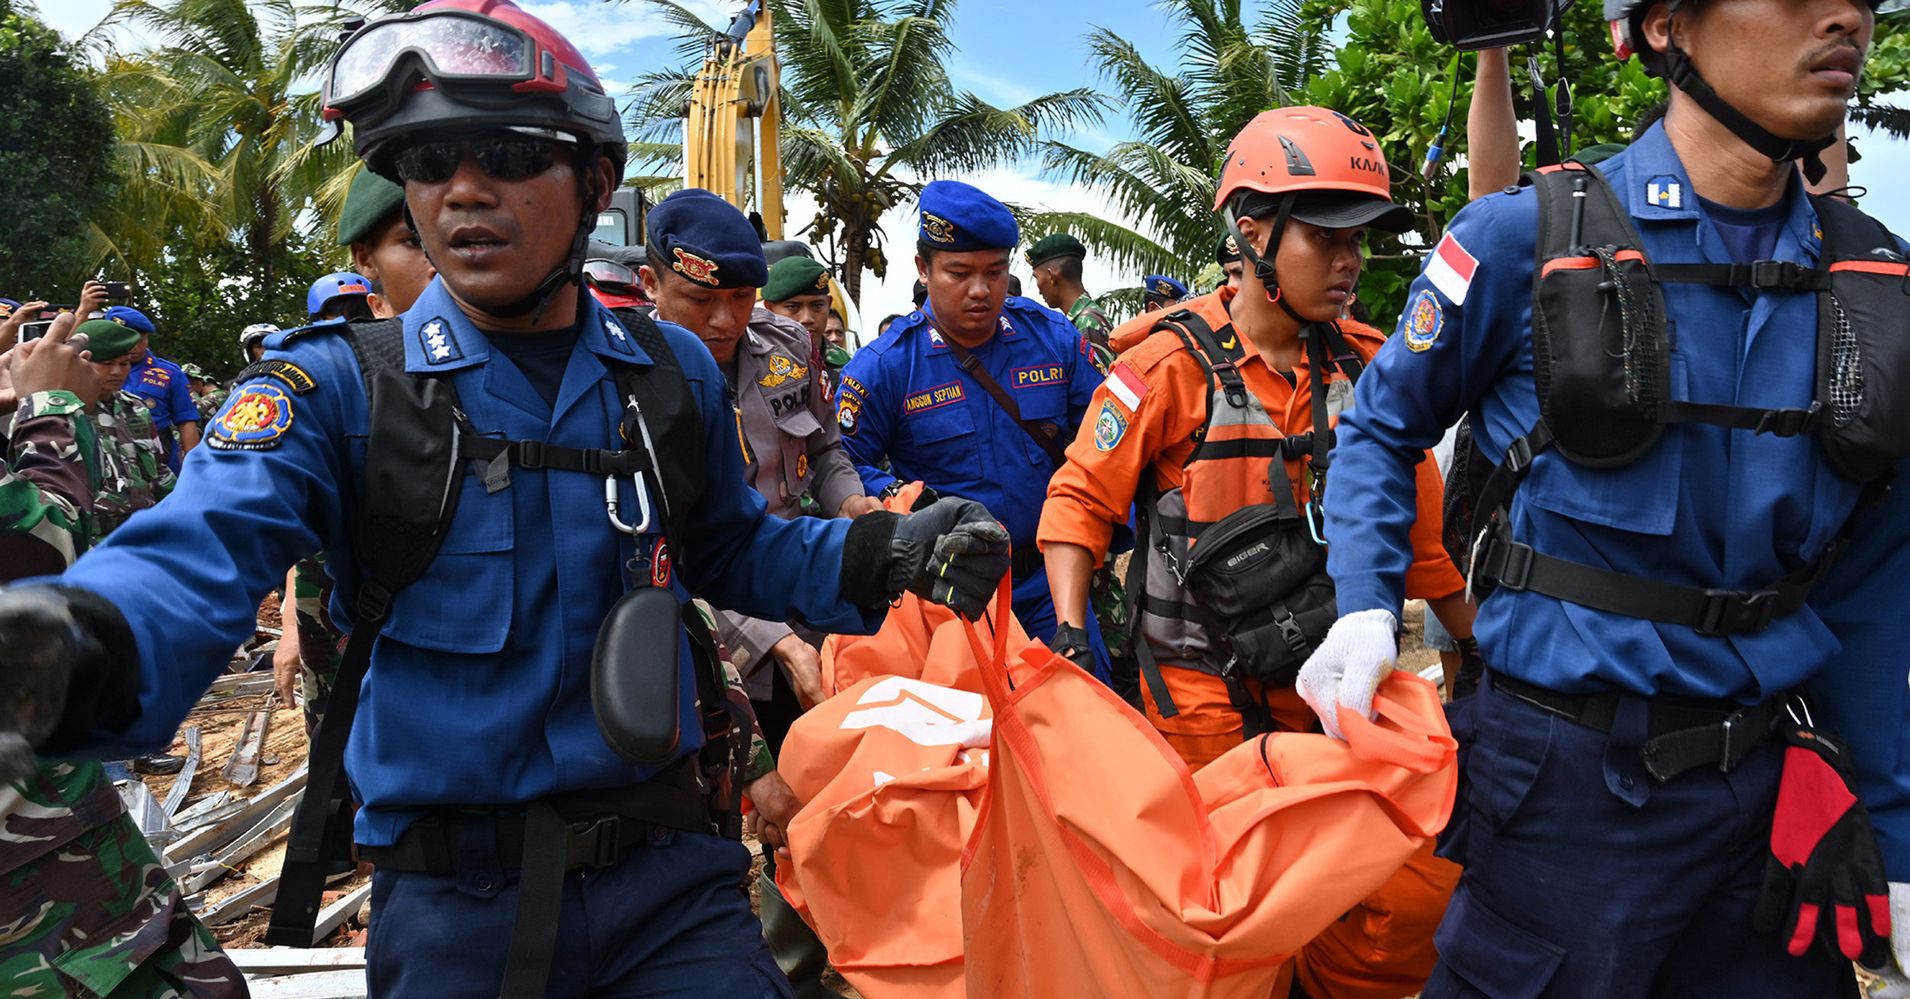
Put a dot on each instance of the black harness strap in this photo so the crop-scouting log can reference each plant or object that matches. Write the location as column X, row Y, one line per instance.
column 399, row 539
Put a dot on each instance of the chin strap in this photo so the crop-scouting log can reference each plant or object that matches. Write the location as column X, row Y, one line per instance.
column 1263, row 266
column 1683, row 74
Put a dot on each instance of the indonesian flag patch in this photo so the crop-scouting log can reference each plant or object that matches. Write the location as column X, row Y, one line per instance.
column 1126, row 386
column 1450, row 269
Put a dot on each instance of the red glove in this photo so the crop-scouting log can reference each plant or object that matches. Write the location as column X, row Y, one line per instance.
column 1824, row 878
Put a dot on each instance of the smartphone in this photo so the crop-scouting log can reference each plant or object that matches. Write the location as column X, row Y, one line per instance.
column 35, row 330
column 118, row 291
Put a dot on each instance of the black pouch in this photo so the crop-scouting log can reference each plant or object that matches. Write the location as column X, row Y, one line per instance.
column 635, row 676
column 1260, row 579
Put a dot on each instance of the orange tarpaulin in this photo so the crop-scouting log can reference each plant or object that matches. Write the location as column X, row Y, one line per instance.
column 1100, row 866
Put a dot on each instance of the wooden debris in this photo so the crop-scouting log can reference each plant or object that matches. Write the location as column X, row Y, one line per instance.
column 183, row 783
column 219, row 834
column 295, row 960
column 145, row 811
column 334, row 915
column 258, row 838
column 348, row 984
column 243, row 769
column 233, row 907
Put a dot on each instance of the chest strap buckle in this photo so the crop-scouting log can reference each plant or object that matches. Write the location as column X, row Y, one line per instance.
column 1730, row 612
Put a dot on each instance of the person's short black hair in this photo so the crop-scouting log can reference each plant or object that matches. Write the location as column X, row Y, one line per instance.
column 1014, row 285
column 1649, row 118
column 1070, row 268
column 920, row 293
column 883, row 326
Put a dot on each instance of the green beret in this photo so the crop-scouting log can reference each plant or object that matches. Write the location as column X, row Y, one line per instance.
column 107, row 340
column 371, row 200
column 792, row 276
column 193, row 371
column 1599, row 153
column 1054, row 248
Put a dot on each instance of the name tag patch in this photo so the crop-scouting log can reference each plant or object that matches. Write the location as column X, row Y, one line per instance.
column 940, row 395
column 1046, row 374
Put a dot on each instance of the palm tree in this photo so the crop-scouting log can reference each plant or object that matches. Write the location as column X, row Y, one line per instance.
column 1183, row 119
column 217, row 138
column 869, row 113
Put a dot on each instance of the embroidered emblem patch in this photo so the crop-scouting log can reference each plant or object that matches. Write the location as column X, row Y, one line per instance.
column 935, row 340
column 660, row 564
column 1424, row 320
column 1109, row 427
column 781, row 371
column 440, row 347
column 1450, row 269
column 294, row 377
column 846, row 414
column 696, row 268
column 253, row 420
column 1163, row 288
column 1126, row 384
column 802, row 466
column 938, row 228
column 1665, row 192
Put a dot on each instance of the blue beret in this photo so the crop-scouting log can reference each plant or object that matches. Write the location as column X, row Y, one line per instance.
column 707, row 240
column 1162, row 286
column 958, row 216
column 127, row 316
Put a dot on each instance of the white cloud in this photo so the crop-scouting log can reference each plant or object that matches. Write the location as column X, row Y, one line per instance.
column 600, row 30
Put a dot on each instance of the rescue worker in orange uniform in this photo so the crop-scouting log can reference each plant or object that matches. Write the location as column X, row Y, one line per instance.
column 1189, row 426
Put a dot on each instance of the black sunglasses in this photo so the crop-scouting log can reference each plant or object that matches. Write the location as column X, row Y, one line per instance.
column 506, row 156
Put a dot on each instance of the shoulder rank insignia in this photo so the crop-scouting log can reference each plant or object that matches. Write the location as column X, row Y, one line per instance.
column 255, row 419
column 440, row 346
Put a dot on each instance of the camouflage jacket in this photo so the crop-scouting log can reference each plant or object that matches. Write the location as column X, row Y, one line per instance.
column 44, row 495
column 130, row 473
column 210, row 402
column 1087, row 316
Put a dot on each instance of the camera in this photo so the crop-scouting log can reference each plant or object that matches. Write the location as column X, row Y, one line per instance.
column 118, row 292
column 1471, row 25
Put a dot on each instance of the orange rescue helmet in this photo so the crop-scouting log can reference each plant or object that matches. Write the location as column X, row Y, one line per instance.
column 1331, row 163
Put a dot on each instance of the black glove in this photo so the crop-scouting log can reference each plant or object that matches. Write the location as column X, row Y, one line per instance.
column 1824, row 879
column 951, row 552
column 70, row 665
column 1071, row 643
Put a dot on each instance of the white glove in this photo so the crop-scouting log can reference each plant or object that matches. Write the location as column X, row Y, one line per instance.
column 1893, row 981
column 1357, row 653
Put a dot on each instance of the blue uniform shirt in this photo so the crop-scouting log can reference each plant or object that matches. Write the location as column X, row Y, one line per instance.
column 905, row 397
column 479, row 689
column 1707, row 507
column 169, row 396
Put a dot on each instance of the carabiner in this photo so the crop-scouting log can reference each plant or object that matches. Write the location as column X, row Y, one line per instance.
column 611, row 505
column 1316, row 522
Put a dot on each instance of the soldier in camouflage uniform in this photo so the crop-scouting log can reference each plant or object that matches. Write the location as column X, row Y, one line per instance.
column 85, row 906
column 126, row 457
column 208, row 396
column 1057, row 262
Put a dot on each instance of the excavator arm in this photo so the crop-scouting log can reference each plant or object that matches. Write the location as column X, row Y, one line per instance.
column 730, row 135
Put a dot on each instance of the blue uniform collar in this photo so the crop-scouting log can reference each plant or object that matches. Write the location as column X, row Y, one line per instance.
column 1652, row 181
column 1004, row 327
column 440, row 337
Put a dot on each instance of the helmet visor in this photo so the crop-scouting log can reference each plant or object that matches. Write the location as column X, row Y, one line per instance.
column 1333, row 210
column 448, row 47
column 610, row 275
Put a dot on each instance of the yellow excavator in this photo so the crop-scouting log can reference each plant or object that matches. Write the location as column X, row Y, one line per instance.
column 730, row 136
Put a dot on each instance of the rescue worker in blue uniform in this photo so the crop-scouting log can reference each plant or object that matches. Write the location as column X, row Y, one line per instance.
column 476, row 716
column 163, row 385
column 1621, row 768
column 976, row 393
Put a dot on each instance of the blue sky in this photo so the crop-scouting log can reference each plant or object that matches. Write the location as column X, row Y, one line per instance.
column 1006, row 51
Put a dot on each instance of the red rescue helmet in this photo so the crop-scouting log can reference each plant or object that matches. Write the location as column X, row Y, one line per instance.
column 454, row 64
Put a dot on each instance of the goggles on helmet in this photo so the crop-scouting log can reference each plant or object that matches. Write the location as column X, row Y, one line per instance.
column 610, row 275
column 452, row 49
